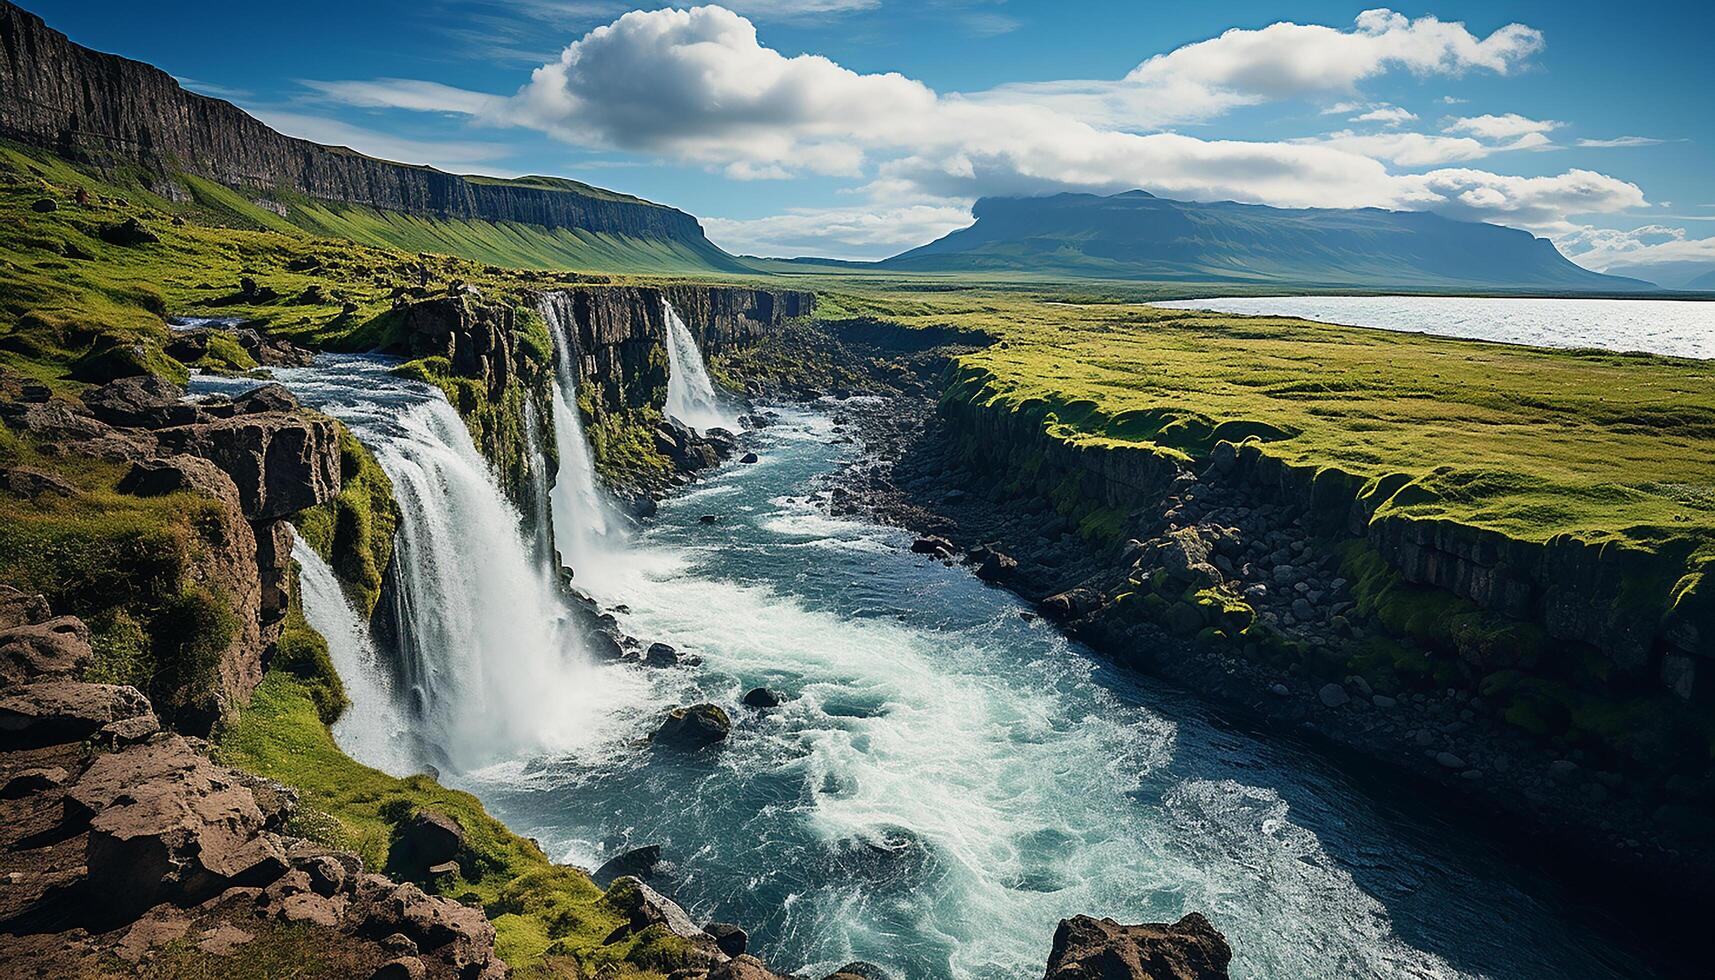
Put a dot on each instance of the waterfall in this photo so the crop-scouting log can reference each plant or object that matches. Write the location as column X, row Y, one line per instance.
column 691, row 397
column 587, row 527
column 373, row 730
column 486, row 665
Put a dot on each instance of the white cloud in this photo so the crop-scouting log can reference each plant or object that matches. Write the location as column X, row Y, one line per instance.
column 697, row 85
column 1387, row 115
column 1508, row 126
column 1407, row 149
column 1622, row 141
column 841, row 233
column 1658, row 253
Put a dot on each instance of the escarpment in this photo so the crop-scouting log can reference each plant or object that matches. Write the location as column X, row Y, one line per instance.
column 111, row 111
column 185, row 573
column 618, row 334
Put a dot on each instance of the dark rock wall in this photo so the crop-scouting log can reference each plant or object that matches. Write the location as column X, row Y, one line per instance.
column 1613, row 598
column 104, row 109
column 619, row 333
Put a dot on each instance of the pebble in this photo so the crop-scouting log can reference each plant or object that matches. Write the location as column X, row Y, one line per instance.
column 1383, row 701
column 1333, row 695
column 1448, row 760
column 1280, row 690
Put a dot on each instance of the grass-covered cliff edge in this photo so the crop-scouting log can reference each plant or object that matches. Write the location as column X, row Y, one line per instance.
column 1383, row 521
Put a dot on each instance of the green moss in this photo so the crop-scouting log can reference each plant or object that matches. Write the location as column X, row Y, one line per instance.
column 225, row 355
column 354, row 532
column 190, row 632
column 540, row 910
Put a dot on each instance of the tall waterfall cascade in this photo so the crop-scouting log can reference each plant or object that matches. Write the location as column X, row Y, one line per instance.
column 587, row 526
column 691, row 396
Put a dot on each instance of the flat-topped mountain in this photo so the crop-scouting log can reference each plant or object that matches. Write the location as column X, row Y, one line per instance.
column 108, row 111
column 1136, row 235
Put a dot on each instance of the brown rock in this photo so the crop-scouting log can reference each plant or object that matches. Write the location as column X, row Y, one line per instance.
column 44, row 649
column 176, row 474
column 281, row 462
column 460, row 936
column 168, row 824
column 744, row 967
column 223, row 939
column 151, row 932
column 20, row 609
column 28, row 782
column 432, row 838
column 21, row 481
column 144, row 401
column 1102, row 949
column 56, row 712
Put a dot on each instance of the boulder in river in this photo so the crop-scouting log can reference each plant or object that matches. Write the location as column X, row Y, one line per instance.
column 639, row 862
column 762, row 697
column 1101, row 949
column 694, row 727
column 660, row 655
column 934, row 544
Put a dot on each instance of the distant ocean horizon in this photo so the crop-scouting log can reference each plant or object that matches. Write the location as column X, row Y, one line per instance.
column 1680, row 328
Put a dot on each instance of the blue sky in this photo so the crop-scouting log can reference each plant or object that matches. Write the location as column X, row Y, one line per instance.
column 1586, row 122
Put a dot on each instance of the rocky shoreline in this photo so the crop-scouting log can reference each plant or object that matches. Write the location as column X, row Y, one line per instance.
column 1581, row 823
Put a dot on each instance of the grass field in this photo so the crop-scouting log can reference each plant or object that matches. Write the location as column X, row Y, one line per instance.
column 1529, row 442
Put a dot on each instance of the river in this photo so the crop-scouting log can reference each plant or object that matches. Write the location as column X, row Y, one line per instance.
column 947, row 779
column 1682, row 328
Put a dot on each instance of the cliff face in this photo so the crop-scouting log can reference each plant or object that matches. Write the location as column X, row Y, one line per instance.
column 100, row 108
column 618, row 334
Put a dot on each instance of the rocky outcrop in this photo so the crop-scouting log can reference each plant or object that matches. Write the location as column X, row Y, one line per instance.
column 121, row 846
column 109, row 110
column 694, row 727
column 1102, row 949
column 255, row 460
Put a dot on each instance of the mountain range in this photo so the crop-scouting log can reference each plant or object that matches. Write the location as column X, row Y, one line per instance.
column 116, row 115
column 1136, row 235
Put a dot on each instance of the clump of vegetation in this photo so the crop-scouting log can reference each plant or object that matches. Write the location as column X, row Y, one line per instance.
column 542, row 912
column 354, row 531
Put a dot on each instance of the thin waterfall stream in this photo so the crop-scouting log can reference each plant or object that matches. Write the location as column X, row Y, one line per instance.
column 691, row 395
column 945, row 780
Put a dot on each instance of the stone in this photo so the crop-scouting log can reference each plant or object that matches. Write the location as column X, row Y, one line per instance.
column 44, row 649
column 27, row 782
column 44, row 205
column 1101, row 949
column 992, row 566
column 224, row 939
column 431, row 837
column 645, row 907
column 748, row 458
column 265, row 398
column 19, row 608
column 175, row 474
column 1068, row 605
column 934, row 544
column 1383, row 701
column 639, row 862
column 1448, row 760
column 456, row 934
column 1302, row 608
column 660, row 655
column 140, row 401
column 281, row 462
column 129, row 232
column 693, row 727
column 730, row 939
column 167, row 824
column 762, row 697
column 744, row 967
column 56, row 712
column 1333, row 695
column 1280, row 690
column 860, row 970
column 401, row 968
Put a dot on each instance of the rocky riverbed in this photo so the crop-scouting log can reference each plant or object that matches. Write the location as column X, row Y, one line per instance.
column 1583, row 821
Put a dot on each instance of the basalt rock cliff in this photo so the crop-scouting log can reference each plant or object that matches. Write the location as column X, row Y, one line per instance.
column 108, row 111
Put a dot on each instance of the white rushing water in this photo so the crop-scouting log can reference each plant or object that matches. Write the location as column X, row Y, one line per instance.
column 375, row 731
column 587, row 527
column 946, row 780
column 1682, row 328
column 487, row 664
column 691, row 396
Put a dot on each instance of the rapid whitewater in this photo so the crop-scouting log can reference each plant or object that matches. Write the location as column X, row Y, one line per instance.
column 946, row 780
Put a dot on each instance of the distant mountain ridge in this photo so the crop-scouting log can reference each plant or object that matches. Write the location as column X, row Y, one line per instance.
column 105, row 110
column 1136, row 235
